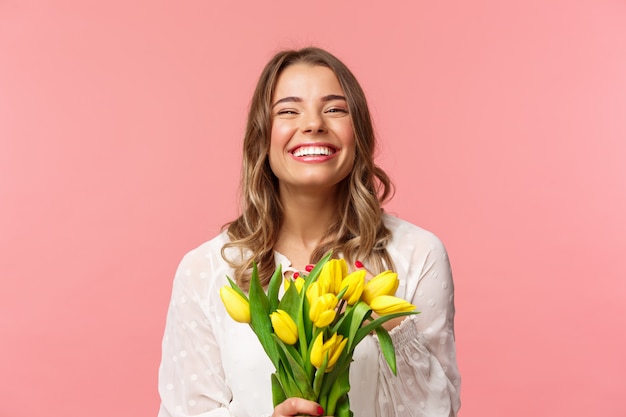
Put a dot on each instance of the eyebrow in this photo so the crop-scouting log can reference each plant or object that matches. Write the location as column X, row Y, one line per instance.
column 292, row 99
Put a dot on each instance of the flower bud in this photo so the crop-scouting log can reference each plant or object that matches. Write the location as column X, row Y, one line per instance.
column 299, row 281
column 236, row 306
column 313, row 292
column 332, row 349
column 355, row 283
column 331, row 275
column 388, row 304
column 322, row 311
column 284, row 327
column 385, row 283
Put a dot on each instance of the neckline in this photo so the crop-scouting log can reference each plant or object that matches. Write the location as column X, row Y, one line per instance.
column 284, row 262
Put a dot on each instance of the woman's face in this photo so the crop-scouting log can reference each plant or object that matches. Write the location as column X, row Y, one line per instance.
column 312, row 141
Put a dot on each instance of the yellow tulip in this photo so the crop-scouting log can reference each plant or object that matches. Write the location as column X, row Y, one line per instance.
column 331, row 349
column 313, row 292
column 284, row 327
column 355, row 283
column 236, row 306
column 322, row 311
column 298, row 281
column 388, row 304
column 385, row 283
column 331, row 275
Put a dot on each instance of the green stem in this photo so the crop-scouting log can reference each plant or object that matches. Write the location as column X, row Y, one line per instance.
column 323, row 402
column 338, row 315
column 304, row 343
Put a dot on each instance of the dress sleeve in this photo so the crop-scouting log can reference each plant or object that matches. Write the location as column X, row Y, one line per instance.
column 428, row 381
column 191, row 378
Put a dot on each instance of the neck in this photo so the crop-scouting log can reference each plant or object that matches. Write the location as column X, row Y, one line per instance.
column 307, row 218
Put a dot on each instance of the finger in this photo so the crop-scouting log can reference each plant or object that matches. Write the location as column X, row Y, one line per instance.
column 298, row 406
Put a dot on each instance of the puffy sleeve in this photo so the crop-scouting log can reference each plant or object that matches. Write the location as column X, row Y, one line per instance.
column 191, row 378
column 428, row 381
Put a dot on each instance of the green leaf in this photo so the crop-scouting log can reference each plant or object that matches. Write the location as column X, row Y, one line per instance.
column 340, row 370
column 339, row 390
column 236, row 288
column 307, row 324
column 360, row 312
column 259, row 317
column 342, row 292
column 386, row 346
column 291, row 302
column 342, row 326
column 290, row 388
column 300, row 377
column 283, row 357
column 343, row 407
column 274, row 287
column 278, row 394
column 319, row 377
column 257, row 295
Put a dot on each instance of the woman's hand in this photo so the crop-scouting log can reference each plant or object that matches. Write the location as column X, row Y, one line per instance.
column 297, row 407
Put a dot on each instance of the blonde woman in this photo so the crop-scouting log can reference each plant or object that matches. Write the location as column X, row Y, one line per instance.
column 309, row 185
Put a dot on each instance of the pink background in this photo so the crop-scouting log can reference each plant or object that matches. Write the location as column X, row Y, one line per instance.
column 503, row 125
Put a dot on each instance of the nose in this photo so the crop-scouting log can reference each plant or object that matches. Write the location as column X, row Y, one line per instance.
column 313, row 123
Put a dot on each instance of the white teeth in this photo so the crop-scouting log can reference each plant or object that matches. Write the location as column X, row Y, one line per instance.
column 312, row 151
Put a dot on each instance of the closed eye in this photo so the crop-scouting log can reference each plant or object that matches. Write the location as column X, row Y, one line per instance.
column 337, row 110
column 287, row 112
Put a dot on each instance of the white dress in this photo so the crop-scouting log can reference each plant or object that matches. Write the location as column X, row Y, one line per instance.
column 213, row 366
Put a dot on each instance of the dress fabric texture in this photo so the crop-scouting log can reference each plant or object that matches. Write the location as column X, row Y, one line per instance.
column 213, row 366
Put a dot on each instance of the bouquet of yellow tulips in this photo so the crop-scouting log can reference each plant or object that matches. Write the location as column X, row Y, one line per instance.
column 311, row 332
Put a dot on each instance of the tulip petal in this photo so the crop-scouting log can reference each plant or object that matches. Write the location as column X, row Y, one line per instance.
column 389, row 304
column 325, row 318
column 385, row 283
column 355, row 282
column 317, row 355
column 322, row 311
column 284, row 327
column 236, row 306
column 331, row 276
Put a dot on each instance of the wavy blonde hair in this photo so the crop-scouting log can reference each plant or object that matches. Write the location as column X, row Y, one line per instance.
column 358, row 232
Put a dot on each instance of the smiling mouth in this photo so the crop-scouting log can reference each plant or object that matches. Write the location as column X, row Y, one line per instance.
column 313, row 151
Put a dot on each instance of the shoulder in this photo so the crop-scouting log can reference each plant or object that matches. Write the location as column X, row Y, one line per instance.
column 419, row 257
column 407, row 234
column 207, row 250
column 411, row 245
column 204, row 262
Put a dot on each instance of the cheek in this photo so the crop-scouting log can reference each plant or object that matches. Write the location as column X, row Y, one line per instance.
column 350, row 145
column 280, row 134
column 277, row 144
column 352, row 161
column 348, row 139
column 346, row 132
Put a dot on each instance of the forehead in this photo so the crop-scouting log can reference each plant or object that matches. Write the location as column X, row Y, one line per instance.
column 307, row 80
